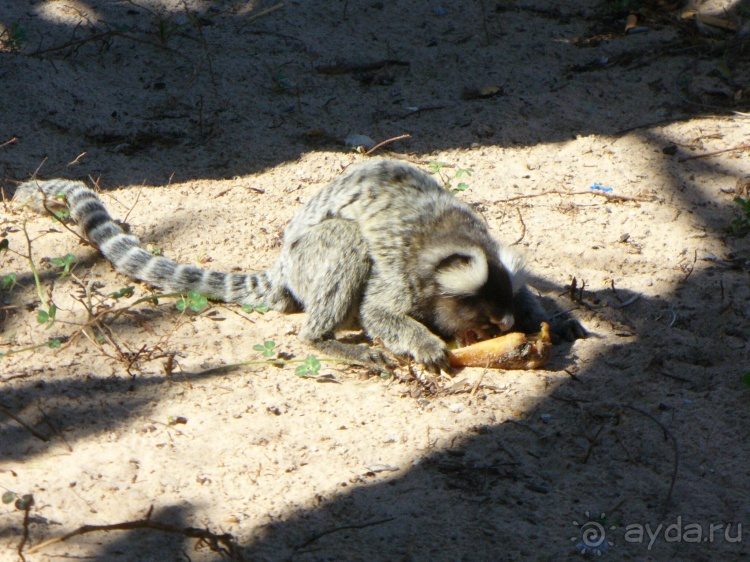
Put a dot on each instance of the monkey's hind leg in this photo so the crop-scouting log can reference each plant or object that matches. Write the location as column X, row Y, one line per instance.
column 327, row 270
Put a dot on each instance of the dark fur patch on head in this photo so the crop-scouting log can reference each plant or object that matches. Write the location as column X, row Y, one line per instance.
column 450, row 314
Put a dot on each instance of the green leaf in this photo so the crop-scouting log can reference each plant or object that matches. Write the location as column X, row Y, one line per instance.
column 52, row 311
column 42, row 317
column 25, row 502
column 9, row 497
column 746, row 378
column 194, row 301
column 124, row 292
column 259, row 308
column 309, row 368
column 198, row 304
column 313, row 364
column 461, row 187
column 266, row 348
column 15, row 37
column 54, row 343
column 64, row 262
column 435, row 167
column 8, row 281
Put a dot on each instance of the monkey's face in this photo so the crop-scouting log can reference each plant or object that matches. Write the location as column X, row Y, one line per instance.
column 485, row 312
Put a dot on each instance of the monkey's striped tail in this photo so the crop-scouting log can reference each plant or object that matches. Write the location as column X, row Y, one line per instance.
column 126, row 254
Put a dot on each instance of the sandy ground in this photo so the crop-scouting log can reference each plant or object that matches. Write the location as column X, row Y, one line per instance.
column 206, row 124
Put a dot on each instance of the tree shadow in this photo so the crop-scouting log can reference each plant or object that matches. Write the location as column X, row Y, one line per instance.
column 498, row 492
column 217, row 92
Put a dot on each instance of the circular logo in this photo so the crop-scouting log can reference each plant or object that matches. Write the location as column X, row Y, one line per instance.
column 593, row 535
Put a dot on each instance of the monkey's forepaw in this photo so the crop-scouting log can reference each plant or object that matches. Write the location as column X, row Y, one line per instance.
column 567, row 331
column 433, row 354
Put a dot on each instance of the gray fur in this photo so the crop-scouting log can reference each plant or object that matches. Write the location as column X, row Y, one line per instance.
column 383, row 247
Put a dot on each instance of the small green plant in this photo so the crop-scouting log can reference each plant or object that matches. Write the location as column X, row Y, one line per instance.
column 460, row 172
column 437, row 168
column 65, row 263
column 53, row 343
column 22, row 502
column 309, row 369
column 47, row 316
column 194, row 301
column 281, row 82
column 13, row 38
column 259, row 308
column 741, row 225
column 124, row 292
column 267, row 348
column 154, row 250
column 7, row 282
column 62, row 214
column 745, row 378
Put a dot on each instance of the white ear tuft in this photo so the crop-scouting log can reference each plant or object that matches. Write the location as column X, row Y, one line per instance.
column 515, row 264
column 465, row 273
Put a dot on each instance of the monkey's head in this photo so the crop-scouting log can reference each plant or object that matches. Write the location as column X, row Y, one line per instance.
column 472, row 293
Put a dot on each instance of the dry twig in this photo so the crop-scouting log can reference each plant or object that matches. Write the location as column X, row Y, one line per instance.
column 261, row 14
column 387, row 141
column 9, row 141
column 571, row 193
column 523, row 226
column 23, row 424
column 322, row 534
column 743, row 146
column 224, row 544
column 668, row 435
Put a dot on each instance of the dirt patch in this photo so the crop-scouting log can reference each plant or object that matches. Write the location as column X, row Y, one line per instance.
column 611, row 159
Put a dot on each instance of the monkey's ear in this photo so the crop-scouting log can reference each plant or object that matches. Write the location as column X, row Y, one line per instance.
column 462, row 273
column 515, row 265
